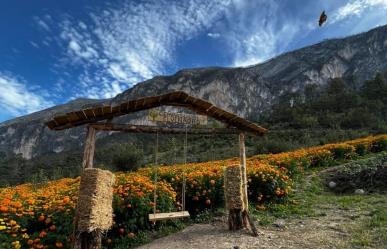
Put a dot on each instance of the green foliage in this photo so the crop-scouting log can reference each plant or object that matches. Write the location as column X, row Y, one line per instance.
column 39, row 178
column 379, row 146
column 369, row 174
column 342, row 152
column 337, row 105
column 361, row 149
column 126, row 157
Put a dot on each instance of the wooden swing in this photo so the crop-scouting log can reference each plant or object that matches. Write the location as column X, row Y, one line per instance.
column 170, row 215
column 99, row 118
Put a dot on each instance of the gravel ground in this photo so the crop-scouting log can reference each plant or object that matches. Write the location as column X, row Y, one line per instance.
column 327, row 231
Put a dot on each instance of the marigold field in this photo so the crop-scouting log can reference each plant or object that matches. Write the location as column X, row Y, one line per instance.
column 41, row 216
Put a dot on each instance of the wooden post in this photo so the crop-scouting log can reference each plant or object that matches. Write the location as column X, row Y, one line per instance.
column 247, row 222
column 91, row 240
column 242, row 154
column 87, row 240
column 235, row 219
column 88, row 153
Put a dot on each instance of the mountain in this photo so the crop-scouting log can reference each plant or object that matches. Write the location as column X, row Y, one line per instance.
column 357, row 57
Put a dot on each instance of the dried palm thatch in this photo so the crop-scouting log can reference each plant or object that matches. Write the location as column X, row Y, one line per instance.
column 233, row 187
column 94, row 209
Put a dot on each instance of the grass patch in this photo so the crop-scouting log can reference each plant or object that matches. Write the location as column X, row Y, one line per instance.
column 311, row 198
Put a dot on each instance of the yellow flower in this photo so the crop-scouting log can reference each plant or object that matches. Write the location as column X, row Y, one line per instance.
column 16, row 244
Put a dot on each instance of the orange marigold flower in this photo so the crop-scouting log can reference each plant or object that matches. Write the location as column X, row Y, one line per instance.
column 17, row 204
column 3, row 209
column 66, row 199
column 59, row 245
column 41, row 218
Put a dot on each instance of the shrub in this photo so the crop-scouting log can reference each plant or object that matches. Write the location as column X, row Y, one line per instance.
column 361, row 149
column 369, row 174
column 127, row 158
column 342, row 151
column 320, row 157
column 379, row 144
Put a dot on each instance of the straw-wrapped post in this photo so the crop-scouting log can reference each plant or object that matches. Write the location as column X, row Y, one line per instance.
column 94, row 213
column 233, row 196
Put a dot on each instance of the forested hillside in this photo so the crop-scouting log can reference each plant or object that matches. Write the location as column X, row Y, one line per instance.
column 317, row 115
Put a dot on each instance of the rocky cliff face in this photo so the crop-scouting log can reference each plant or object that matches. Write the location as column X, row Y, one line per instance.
column 246, row 91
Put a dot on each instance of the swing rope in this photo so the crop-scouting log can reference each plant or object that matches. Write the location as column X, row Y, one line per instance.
column 156, row 168
column 185, row 165
column 155, row 174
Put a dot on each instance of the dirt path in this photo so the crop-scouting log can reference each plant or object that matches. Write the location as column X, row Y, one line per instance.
column 326, row 231
column 332, row 222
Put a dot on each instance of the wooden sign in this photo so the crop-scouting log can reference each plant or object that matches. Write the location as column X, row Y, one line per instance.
column 177, row 118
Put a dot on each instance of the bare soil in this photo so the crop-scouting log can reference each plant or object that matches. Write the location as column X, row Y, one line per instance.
column 330, row 230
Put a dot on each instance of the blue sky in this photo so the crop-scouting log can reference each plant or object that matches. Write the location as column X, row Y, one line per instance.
column 55, row 51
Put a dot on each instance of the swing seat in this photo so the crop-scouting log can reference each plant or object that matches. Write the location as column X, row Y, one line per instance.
column 169, row 216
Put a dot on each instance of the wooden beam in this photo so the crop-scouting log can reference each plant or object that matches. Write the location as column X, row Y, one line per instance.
column 93, row 239
column 242, row 154
column 88, row 153
column 154, row 129
column 247, row 222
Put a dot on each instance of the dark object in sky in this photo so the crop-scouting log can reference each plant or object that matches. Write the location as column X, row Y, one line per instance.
column 322, row 19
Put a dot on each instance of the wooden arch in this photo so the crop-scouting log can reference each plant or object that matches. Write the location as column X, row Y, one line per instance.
column 93, row 117
column 176, row 98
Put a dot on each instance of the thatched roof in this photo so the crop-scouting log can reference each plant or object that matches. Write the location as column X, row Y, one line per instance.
column 177, row 98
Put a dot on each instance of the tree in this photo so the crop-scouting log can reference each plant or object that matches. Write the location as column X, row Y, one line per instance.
column 126, row 157
column 375, row 89
column 311, row 93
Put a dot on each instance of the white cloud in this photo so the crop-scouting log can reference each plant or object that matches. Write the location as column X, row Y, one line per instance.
column 41, row 23
column 213, row 35
column 255, row 36
column 84, row 53
column 132, row 42
column 82, row 25
column 18, row 99
column 34, row 44
column 255, row 31
column 356, row 8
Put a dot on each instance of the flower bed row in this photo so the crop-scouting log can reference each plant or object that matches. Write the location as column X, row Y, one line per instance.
column 33, row 216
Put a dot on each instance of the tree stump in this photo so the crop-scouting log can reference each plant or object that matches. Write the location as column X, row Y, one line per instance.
column 233, row 196
column 92, row 240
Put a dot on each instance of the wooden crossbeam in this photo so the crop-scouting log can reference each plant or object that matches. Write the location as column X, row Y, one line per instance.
column 153, row 129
